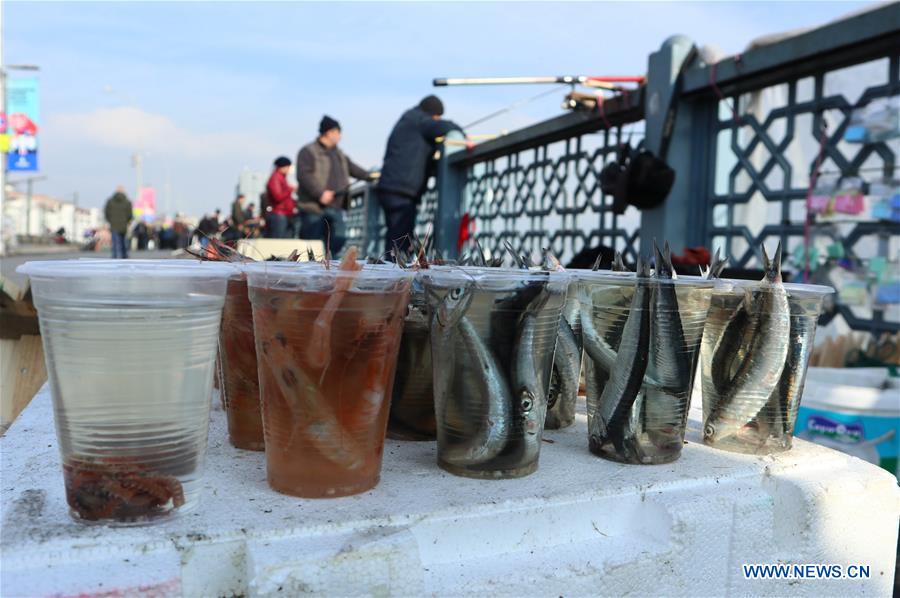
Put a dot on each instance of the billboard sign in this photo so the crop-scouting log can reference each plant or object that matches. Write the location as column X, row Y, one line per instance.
column 145, row 206
column 22, row 123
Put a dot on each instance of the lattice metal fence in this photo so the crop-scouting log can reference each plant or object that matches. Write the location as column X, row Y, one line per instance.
column 365, row 218
column 766, row 152
column 549, row 196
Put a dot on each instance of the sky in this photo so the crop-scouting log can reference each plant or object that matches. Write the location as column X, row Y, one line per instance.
column 205, row 90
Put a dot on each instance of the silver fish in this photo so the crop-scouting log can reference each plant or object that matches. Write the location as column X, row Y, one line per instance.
column 666, row 407
column 494, row 396
column 529, row 392
column 618, row 264
column 777, row 418
column 765, row 350
column 479, row 257
column 566, row 374
column 627, row 375
column 716, row 265
column 451, row 309
column 517, row 259
column 550, row 263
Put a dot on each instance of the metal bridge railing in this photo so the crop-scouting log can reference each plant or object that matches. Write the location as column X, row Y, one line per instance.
column 742, row 174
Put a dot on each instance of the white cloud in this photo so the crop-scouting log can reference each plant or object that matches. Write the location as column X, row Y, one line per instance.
column 135, row 129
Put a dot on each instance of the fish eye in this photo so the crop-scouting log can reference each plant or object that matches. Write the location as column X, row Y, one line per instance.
column 527, row 403
column 456, row 293
column 709, row 431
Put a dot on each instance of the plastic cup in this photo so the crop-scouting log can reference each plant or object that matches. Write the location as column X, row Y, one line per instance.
column 326, row 342
column 755, row 353
column 563, row 394
column 412, row 402
column 130, row 348
column 641, row 344
column 493, row 335
column 239, row 378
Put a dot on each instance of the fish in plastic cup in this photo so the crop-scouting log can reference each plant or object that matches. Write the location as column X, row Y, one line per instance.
column 566, row 377
column 239, row 378
column 326, row 342
column 412, row 403
column 641, row 339
column 130, row 347
column 493, row 334
column 754, row 357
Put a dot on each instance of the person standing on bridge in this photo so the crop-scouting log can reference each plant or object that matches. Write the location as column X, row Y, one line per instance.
column 323, row 184
column 119, row 214
column 279, row 195
column 408, row 164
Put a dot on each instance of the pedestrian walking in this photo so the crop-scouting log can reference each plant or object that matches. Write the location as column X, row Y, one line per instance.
column 323, row 184
column 235, row 229
column 279, row 196
column 119, row 214
column 408, row 164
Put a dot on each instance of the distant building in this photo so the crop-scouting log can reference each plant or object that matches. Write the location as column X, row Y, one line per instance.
column 47, row 215
column 251, row 185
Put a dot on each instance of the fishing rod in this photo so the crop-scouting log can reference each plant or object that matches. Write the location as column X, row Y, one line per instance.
column 606, row 82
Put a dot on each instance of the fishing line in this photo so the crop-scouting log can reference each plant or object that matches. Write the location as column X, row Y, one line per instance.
column 515, row 105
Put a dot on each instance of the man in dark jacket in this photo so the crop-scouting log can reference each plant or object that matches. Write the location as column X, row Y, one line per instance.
column 323, row 183
column 119, row 214
column 408, row 163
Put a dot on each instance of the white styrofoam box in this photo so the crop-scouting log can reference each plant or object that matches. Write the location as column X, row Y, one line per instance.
column 578, row 526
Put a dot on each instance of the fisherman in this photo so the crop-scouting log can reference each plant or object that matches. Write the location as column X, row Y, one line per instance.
column 119, row 213
column 279, row 195
column 408, row 164
column 323, row 172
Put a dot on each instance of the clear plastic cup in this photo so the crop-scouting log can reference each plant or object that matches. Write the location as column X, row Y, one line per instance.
column 755, row 352
column 412, row 402
column 641, row 344
column 130, row 347
column 326, row 342
column 239, row 378
column 493, row 333
column 566, row 376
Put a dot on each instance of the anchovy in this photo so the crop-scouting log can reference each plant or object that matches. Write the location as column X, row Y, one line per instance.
column 505, row 315
column 765, row 353
column 529, row 393
column 478, row 254
column 519, row 260
column 496, row 400
column 550, row 263
column 566, row 373
column 445, row 319
column 627, row 375
column 594, row 344
column 670, row 359
column 715, row 268
column 778, row 412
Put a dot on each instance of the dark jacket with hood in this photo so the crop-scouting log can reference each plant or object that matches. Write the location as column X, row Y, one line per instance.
column 118, row 212
column 410, row 151
column 315, row 163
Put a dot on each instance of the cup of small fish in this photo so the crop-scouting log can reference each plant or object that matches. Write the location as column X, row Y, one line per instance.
column 493, row 333
column 754, row 356
column 641, row 333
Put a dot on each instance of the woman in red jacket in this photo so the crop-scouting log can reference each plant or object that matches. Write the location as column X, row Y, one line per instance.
column 280, row 211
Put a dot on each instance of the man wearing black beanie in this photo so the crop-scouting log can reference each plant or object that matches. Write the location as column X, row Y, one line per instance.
column 408, row 163
column 323, row 182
